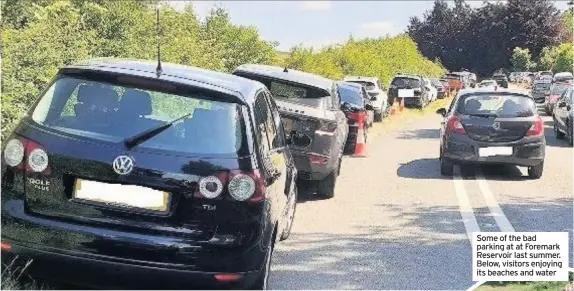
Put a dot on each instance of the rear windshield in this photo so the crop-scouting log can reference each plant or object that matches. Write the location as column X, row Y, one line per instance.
column 486, row 83
column 288, row 91
column 350, row 95
column 406, row 83
column 114, row 112
column 436, row 82
column 367, row 84
column 541, row 86
column 497, row 105
column 454, row 77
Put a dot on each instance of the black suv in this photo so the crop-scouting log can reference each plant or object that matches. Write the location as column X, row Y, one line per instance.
column 411, row 88
column 165, row 181
column 313, row 120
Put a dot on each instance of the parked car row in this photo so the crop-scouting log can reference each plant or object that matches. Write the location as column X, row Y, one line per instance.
column 209, row 166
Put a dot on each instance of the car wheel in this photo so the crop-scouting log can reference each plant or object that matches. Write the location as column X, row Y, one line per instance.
column 292, row 207
column 557, row 133
column 536, row 171
column 446, row 167
column 263, row 280
column 326, row 187
column 378, row 116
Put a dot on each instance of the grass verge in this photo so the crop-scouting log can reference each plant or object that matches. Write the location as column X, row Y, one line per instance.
column 407, row 116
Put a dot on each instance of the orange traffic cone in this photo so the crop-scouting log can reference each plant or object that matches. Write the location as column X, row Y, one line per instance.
column 360, row 145
column 402, row 105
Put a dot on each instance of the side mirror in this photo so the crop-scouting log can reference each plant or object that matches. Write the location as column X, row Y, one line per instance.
column 561, row 104
column 441, row 111
column 369, row 107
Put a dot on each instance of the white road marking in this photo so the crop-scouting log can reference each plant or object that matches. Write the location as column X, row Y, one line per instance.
column 465, row 208
column 497, row 213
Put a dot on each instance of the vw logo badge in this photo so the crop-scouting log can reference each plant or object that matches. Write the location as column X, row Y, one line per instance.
column 496, row 125
column 123, row 165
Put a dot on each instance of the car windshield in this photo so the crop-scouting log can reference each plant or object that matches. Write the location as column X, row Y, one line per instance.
column 406, row 83
column 497, row 105
column 367, row 84
column 111, row 112
column 350, row 95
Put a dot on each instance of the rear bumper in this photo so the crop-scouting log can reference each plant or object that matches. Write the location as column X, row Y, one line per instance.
column 413, row 101
column 526, row 153
column 308, row 171
column 104, row 273
column 87, row 255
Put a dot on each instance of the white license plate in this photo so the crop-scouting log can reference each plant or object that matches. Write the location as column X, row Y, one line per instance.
column 495, row 151
column 119, row 195
column 406, row 93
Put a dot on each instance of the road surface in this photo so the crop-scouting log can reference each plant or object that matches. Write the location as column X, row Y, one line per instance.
column 396, row 223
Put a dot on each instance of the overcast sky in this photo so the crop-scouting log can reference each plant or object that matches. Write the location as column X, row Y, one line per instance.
column 319, row 23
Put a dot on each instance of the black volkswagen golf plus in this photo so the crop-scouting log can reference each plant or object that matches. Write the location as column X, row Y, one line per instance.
column 120, row 176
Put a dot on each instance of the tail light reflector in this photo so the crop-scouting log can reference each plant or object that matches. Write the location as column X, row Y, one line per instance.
column 227, row 277
column 318, row 160
column 454, row 125
column 537, row 128
column 358, row 117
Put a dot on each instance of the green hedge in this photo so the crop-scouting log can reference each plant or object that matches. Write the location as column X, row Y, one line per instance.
column 381, row 57
column 40, row 38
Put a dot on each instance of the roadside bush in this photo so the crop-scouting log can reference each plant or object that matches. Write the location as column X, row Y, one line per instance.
column 380, row 57
column 39, row 38
column 564, row 58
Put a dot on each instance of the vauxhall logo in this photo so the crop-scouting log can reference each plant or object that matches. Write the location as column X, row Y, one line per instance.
column 123, row 165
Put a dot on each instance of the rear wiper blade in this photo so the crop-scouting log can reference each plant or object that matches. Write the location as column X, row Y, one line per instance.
column 132, row 141
column 486, row 115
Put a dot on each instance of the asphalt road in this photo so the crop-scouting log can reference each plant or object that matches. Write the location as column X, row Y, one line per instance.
column 396, row 223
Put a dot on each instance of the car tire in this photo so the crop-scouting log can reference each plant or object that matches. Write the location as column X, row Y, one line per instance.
column 261, row 283
column 535, row 172
column 290, row 216
column 446, row 167
column 557, row 133
column 378, row 116
column 326, row 187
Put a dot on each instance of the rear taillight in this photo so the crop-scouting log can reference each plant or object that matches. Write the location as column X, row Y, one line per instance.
column 327, row 126
column 537, row 128
column 241, row 186
column 22, row 153
column 358, row 117
column 454, row 125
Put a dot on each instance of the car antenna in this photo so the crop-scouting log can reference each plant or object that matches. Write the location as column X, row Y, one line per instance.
column 158, row 69
column 285, row 70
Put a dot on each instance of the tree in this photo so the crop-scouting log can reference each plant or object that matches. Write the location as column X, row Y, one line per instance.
column 521, row 59
column 483, row 39
column 564, row 58
column 547, row 59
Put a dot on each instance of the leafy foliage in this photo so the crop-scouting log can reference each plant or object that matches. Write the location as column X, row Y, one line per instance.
column 483, row 39
column 41, row 36
column 521, row 59
column 380, row 57
column 564, row 58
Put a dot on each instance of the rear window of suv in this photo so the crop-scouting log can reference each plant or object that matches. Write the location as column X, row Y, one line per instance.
column 406, row 83
column 367, row 84
column 500, row 105
column 111, row 112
